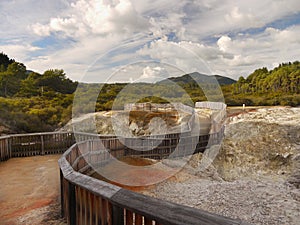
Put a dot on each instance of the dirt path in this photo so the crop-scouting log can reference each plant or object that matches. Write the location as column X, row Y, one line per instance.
column 29, row 191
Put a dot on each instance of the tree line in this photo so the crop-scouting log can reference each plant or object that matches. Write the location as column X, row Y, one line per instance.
column 34, row 102
column 279, row 86
column 16, row 80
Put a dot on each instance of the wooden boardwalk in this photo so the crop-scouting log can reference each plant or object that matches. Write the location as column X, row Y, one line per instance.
column 86, row 200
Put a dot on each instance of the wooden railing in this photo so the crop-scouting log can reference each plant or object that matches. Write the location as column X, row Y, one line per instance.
column 5, row 149
column 23, row 145
column 86, row 200
column 153, row 107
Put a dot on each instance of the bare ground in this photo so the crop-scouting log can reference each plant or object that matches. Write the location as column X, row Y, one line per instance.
column 29, row 191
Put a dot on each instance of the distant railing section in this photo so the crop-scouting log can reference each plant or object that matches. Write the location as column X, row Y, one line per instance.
column 211, row 105
column 23, row 145
column 155, row 147
column 171, row 146
column 5, row 149
column 153, row 107
column 97, row 152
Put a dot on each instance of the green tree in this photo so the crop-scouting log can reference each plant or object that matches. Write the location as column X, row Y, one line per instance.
column 11, row 78
column 57, row 81
column 5, row 61
column 9, row 84
column 29, row 86
column 18, row 70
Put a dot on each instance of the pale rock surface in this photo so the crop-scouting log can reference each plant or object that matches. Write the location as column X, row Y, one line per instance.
column 254, row 175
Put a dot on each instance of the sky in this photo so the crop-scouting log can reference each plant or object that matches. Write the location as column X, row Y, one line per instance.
column 128, row 40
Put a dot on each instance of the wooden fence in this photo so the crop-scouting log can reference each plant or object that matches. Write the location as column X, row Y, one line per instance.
column 155, row 147
column 153, row 107
column 5, row 149
column 211, row 105
column 86, row 200
column 23, row 145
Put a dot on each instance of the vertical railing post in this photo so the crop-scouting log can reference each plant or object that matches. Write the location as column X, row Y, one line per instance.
column 1, row 158
column 10, row 147
column 117, row 215
column 42, row 145
column 7, row 153
column 89, row 150
column 72, row 203
column 62, row 201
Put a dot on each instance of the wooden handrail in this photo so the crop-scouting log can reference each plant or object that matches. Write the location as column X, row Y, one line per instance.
column 86, row 200
column 22, row 145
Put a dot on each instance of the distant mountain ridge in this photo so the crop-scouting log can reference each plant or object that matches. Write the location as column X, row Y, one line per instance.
column 201, row 79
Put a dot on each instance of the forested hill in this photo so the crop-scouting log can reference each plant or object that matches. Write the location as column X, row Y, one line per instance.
column 279, row 86
column 285, row 79
column 33, row 102
column 16, row 80
column 201, row 79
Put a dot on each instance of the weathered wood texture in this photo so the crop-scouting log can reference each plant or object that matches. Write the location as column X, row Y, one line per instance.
column 152, row 107
column 23, row 145
column 211, row 105
column 5, row 150
column 155, row 147
column 98, row 202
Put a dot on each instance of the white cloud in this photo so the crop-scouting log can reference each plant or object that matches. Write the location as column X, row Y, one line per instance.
column 268, row 48
column 179, row 55
column 40, row 30
column 18, row 52
column 18, row 16
column 224, row 43
column 284, row 37
column 222, row 17
column 151, row 73
column 76, row 59
column 96, row 26
column 94, row 17
column 235, row 17
column 231, row 56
